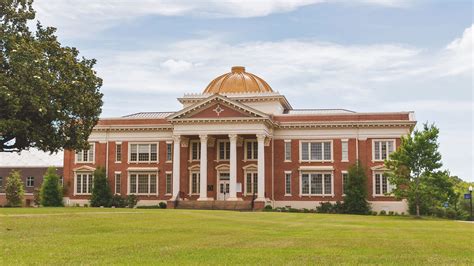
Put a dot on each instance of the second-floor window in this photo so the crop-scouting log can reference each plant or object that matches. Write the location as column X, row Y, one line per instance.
column 345, row 151
column 30, row 181
column 195, row 150
column 382, row 149
column 224, row 150
column 143, row 152
column 118, row 152
column 86, row 156
column 251, row 150
column 316, row 151
column 169, row 152
column 288, row 150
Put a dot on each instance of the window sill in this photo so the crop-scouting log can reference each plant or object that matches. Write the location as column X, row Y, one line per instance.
column 168, row 161
column 316, row 161
column 344, row 161
column 287, row 161
column 118, row 161
column 144, row 162
column 317, row 195
column 287, row 195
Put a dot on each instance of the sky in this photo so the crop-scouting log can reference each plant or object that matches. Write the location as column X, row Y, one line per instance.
column 362, row 55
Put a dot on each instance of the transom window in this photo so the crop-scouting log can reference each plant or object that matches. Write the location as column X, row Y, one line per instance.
column 118, row 183
column 143, row 183
column 30, row 181
column 251, row 150
column 224, row 150
column 118, row 152
column 382, row 149
column 287, row 183
column 144, row 152
column 86, row 156
column 169, row 183
column 251, row 182
column 287, row 150
column 195, row 176
column 345, row 150
column 381, row 184
column 84, row 183
column 316, row 184
column 316, row 151
column 195, row 150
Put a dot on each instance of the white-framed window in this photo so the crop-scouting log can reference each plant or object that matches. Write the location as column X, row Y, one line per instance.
column 223, row 151
column 86, row 156
column 169, row 183
column 251, row 150
column 345, row 178
column 143, row 183
column 118, row 152
column 30, row 181
column 169, row 151
column 287, row 183
column 287, row 150
column 382, row 186
column 195, row 150
column 251, row 182
column 143, row 152
column 194, row 177
column 381, row 149
column 317, row 183
column 84, row 183
column 345, row 150
column 118, row 183
column 320, row 151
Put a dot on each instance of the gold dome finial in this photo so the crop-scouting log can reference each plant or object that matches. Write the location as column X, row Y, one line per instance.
column 238, row 81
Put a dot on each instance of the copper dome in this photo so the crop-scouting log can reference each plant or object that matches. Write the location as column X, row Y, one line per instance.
column 237, row 81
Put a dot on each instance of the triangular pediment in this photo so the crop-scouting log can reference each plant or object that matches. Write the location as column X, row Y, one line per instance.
column 84, row 168
column 217, row 107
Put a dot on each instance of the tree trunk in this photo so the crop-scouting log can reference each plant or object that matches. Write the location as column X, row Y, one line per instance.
column 417, row 209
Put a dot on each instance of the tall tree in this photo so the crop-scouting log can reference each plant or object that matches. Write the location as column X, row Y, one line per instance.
column 414, row 170
column 49, row 97
column 14, row 189
column 101, row 193
column 51, row 193
column 355, row 190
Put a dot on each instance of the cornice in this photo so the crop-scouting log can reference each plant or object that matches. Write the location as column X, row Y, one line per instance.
column 347, row 124
column 115, row 128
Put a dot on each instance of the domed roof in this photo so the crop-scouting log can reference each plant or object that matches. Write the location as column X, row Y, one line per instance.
column 237, row 81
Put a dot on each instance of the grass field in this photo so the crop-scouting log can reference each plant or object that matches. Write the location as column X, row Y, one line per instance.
column 126, row 236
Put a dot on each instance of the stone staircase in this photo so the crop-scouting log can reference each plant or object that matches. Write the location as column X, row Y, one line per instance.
column 215, row 205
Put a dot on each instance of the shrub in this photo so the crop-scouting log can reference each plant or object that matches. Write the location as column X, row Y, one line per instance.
column 390, row 213
column 14, row 191
column 86, row 205
column 439, row 212
column 339, row 207
column 131, row 201
column 403, row 213
column 101, row 195
column 51, row 194
column 268, row 208
column 451, row 214
column 36, row 197
column 324, row 207
column 118, row 201
column 374, row 213
column 383, row 212
column 305, row 210
column 293, row 210
column 162, row 205
column 149, row 207
column 355, row 190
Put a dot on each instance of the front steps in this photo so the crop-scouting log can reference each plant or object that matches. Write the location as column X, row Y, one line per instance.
column 215, row 205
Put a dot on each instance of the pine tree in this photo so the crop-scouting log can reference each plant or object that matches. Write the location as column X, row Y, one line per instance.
column 355, row 190
column 14, row 189
column 101, row 194
column 51, row 192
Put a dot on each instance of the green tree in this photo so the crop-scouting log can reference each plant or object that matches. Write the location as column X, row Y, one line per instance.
column 49, row 97
column 51, row 193
column 14, row 189
column 355, row 190
column 101, row 194
column 414, row 170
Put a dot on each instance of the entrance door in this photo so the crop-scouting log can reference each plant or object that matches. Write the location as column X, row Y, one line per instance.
column 223, row 186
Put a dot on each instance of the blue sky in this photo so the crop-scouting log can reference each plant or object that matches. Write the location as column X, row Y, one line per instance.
column 364, row 55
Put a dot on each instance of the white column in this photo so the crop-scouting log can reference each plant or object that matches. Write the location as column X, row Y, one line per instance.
column 176, row 164
column 203, row 169
column 233, row 168
column 261, row 168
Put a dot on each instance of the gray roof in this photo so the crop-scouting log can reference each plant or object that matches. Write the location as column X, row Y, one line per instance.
column 318, row 111
column 149, row 115
column 30, row 158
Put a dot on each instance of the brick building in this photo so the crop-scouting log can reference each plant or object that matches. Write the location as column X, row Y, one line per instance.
column 237, row 140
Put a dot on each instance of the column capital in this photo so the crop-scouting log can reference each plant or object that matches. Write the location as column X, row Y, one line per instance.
column 261, row 137
column 203, row 137
column 176, row 138
column 233, row 137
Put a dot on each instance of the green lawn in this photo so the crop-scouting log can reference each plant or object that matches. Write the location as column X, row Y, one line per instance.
column 126, row 236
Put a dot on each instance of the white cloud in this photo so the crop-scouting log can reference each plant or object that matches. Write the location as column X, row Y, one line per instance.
column 75, row 18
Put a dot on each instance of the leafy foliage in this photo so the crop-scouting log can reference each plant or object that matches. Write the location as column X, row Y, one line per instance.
column 328, row 207
column 14, row 190
column 355, row 190
column 51, row 194
column 414, row 170
column 49, row 97
column 101, row 194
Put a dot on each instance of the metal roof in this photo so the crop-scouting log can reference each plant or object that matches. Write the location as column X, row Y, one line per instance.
column 31, row 158
column 318, row 111
column 149, row 115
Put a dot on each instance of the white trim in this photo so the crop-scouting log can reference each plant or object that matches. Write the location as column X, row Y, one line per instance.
column 285, row 150
column 388, row 154
column 121, row 152
column 245, row 149
column 138, row 172
column 82, row 185
column 342, row 180
column 219, row 141
column 191, row 172
column 143, row 169
column 291, row 183
column 346, row 141
column 115, row 182
column 171, row 184
column 149, row 153
column 92, row 146
column 198, row 152
column 322, row 150
column 250, row 170
column 309, row 183
column 170, row 143
column 316, row 168
column 389, row 186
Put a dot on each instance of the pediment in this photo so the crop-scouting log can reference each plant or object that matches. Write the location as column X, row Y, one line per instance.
column 84, row 168
column 379, row 168
column 217, row 107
